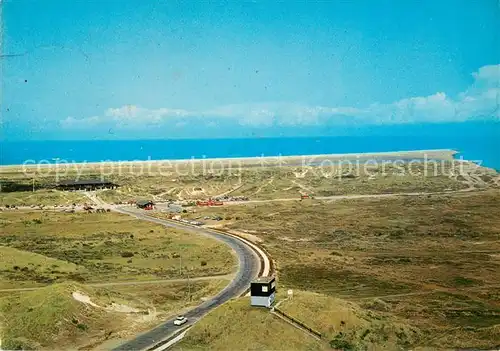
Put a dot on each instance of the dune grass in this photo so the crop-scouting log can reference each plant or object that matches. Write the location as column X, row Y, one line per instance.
column 238, row 326
column 41, row 197
column 432, row 260
column 47, row 247
column 187, row 181
column 346, row 325
column 50, row 318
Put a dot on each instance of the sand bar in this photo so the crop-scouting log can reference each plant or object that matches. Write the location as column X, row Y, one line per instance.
column 440, row 154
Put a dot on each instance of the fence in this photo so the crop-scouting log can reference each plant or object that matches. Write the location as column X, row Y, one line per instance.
column 301, row 324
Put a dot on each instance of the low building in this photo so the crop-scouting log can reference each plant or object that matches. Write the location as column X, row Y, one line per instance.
column 87, row 184
column 145, row 204
column 263, row 291
column 174, row 208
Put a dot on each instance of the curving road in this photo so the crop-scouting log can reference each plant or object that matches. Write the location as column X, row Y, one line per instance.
column 249, row 268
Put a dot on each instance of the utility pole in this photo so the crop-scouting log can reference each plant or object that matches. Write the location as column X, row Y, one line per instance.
column 33, row 183
column 180, row 265
column 189, row 286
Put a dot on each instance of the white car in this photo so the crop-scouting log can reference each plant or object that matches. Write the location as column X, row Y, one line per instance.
column 180, row 320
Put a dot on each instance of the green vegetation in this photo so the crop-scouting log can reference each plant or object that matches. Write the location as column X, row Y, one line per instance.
column 346, row 326
column 41, row 197
column 343, row 325
column 47, row 247
column 51, row 317
column 283, row 182
column 173, row 297
column 432, row 260
column 238, row 326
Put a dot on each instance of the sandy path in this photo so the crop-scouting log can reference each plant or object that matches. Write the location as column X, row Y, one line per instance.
column 360, row 196
column 139, row 282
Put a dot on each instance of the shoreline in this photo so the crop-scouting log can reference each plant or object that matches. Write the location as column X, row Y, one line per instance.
column 435, row 154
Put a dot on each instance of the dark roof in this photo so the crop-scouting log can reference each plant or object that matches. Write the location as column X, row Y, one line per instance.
column 85, row 182
column 143, row 202
column 266, row 280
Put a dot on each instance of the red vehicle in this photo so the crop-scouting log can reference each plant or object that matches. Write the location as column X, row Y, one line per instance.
column 145, row 204
column 305, row 196
column 210, row 202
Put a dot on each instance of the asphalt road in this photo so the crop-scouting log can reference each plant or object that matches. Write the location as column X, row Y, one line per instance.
column 249, row 265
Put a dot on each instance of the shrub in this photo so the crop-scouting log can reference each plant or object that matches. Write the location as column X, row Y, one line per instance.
column 203, row 263
column 462, row 281
column 76, row 277
column 17, row 344
column 82, row 326
column 127, row 254
column 340, row 343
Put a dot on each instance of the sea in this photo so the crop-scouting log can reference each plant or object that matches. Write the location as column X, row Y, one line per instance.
column 480, row 149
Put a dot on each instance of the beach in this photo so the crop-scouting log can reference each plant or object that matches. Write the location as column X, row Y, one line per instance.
column 299, row 160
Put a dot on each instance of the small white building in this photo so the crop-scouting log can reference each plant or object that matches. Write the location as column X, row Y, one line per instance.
column 263, row 291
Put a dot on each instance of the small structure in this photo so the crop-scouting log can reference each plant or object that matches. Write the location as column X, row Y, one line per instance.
column 263, row 291
column 87, row 207
column 174, row 208
column 209, row 202
column 145, row 204
column 88, row 184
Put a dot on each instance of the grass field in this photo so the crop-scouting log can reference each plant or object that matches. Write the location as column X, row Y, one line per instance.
column 51, row 318
column 342, row 324
column 432, row 260
column 40, row 248
column 41, row 197
column 238, row 326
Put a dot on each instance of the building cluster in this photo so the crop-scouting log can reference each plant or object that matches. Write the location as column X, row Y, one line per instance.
column 85, row 185
column 145, row 204
column 209, row 202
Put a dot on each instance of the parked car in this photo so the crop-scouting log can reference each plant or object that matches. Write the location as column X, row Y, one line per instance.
column 180, row 320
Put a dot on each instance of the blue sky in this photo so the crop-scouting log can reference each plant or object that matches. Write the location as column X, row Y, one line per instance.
column 167, row 69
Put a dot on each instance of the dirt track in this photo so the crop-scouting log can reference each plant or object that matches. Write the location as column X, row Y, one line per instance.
column 138, row 282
